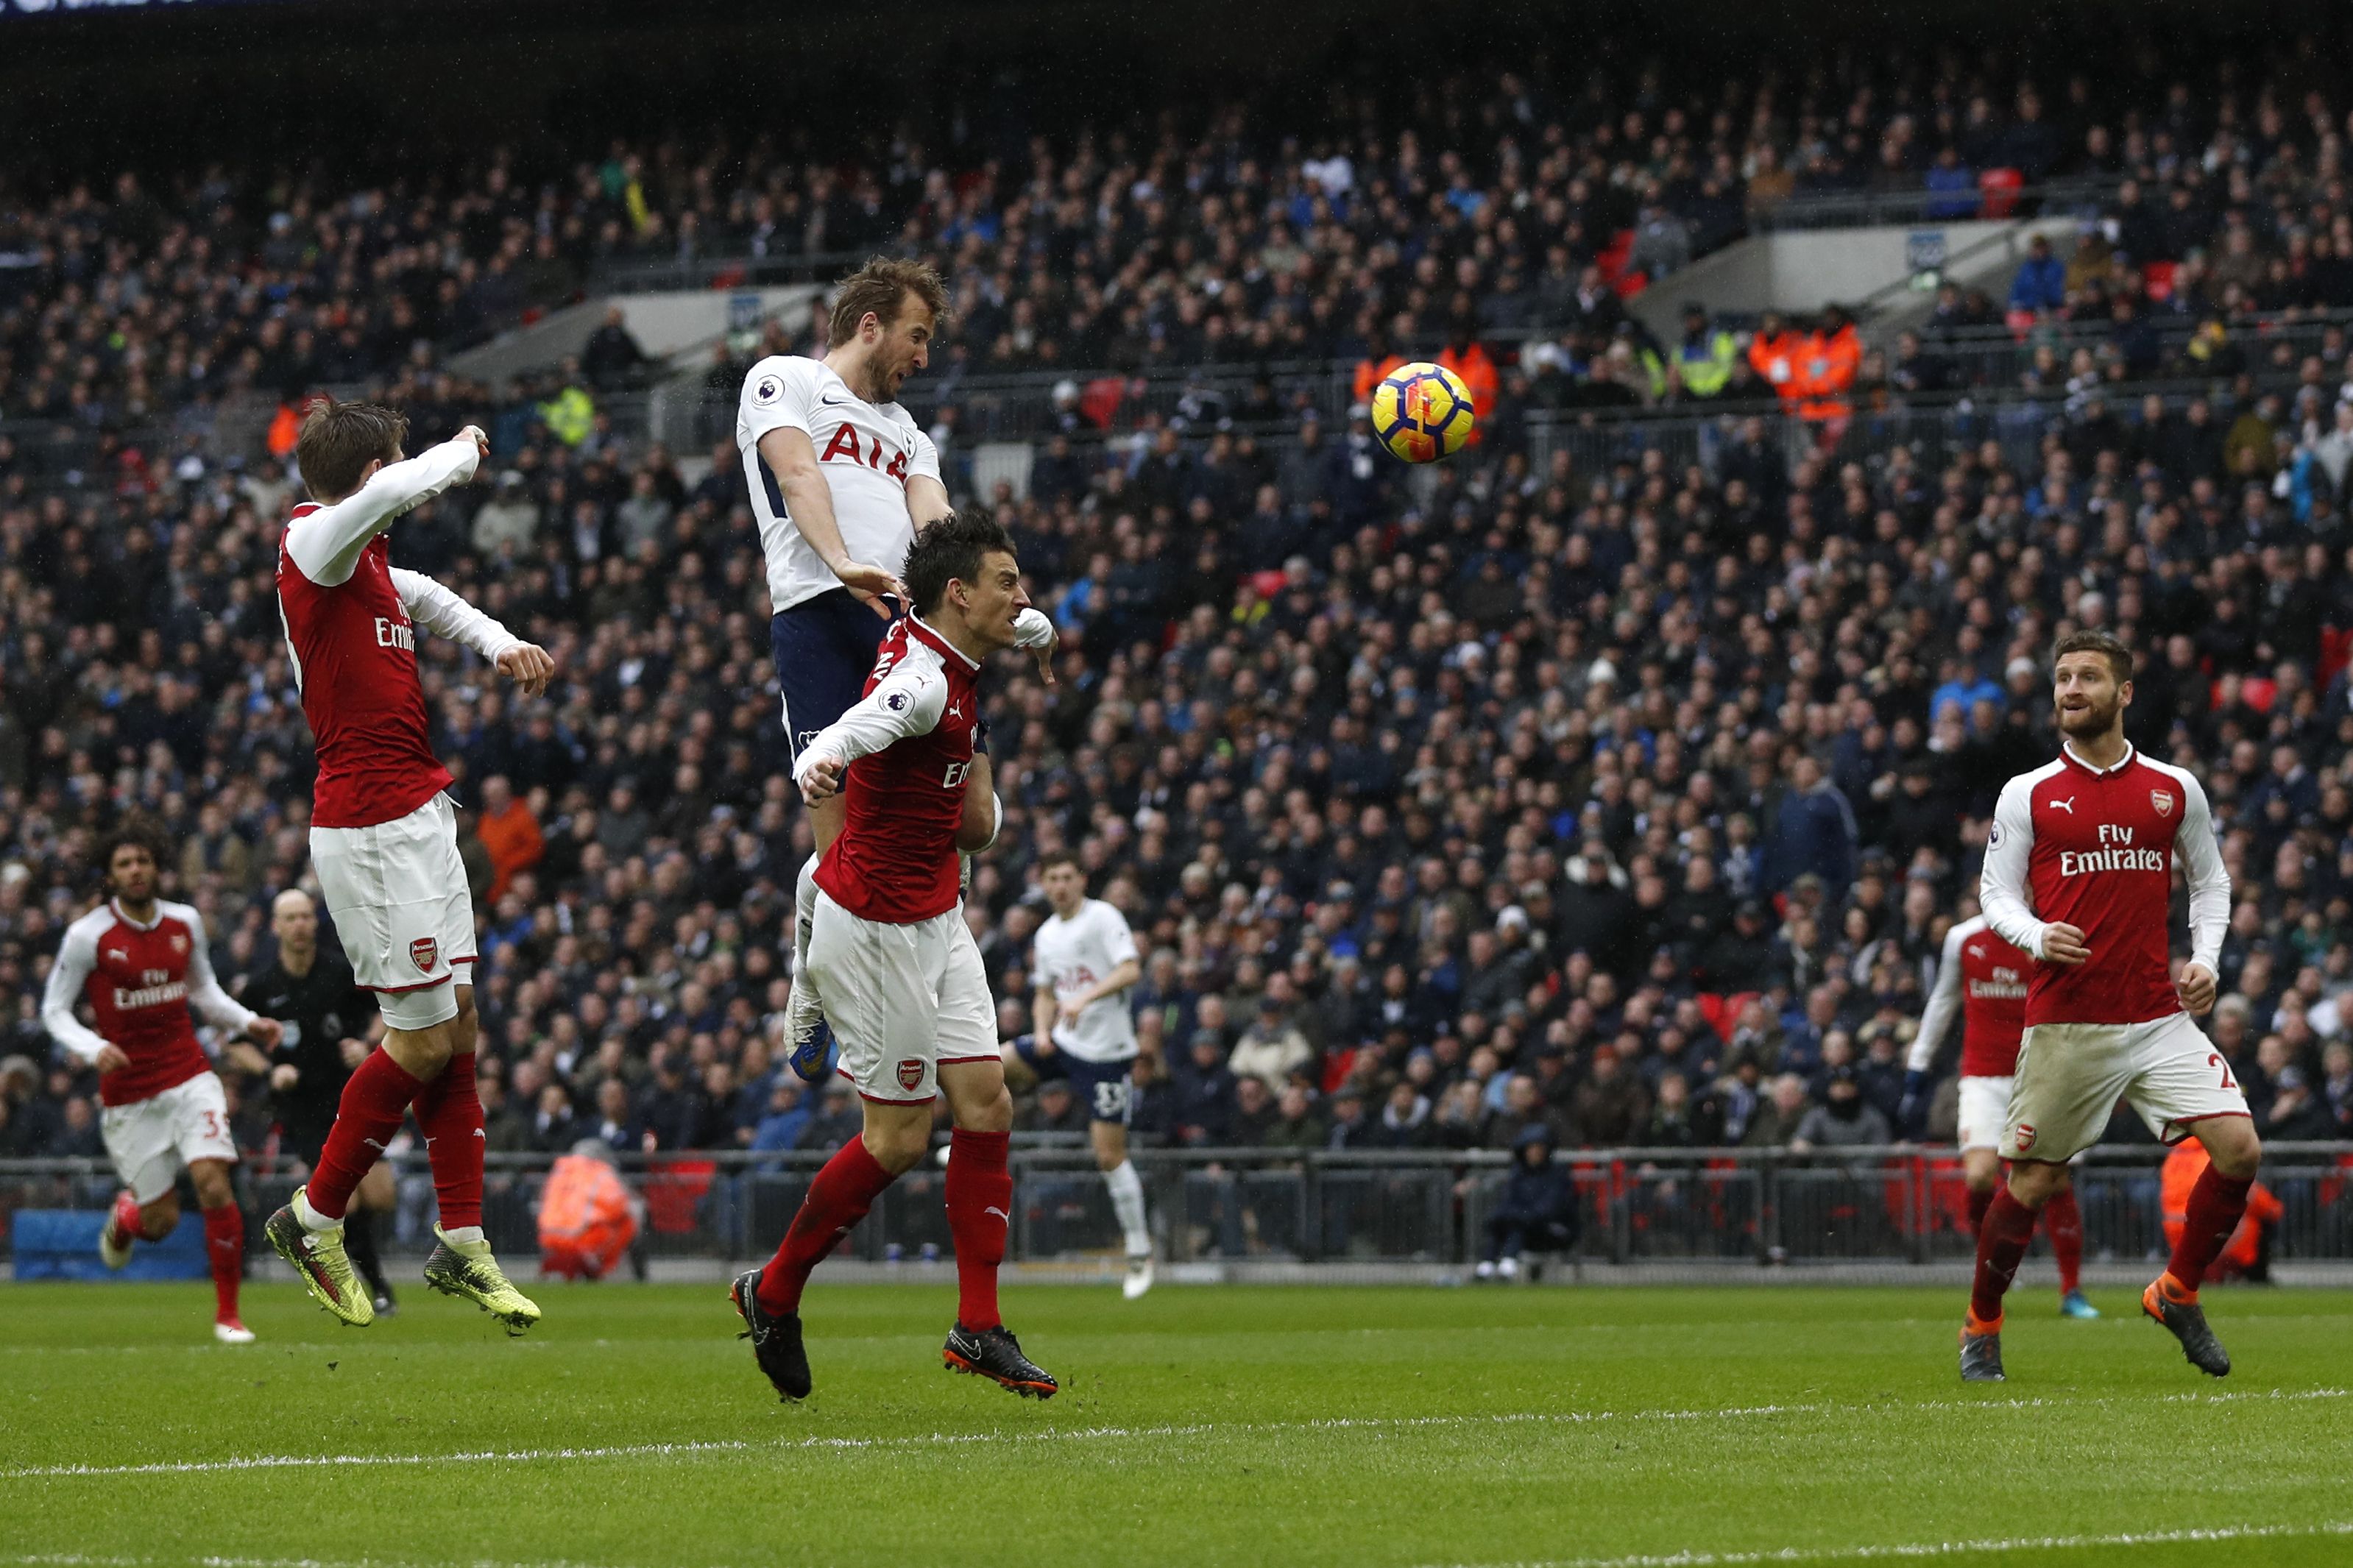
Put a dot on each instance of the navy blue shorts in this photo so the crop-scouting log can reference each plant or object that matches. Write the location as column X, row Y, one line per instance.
column 1105, row 1089
column 824, row 647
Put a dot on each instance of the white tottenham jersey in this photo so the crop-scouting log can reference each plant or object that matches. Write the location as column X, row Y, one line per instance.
column 866, row 453
column 1070, row 956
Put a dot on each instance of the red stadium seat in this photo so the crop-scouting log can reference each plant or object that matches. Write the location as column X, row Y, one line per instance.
column 2000, row 187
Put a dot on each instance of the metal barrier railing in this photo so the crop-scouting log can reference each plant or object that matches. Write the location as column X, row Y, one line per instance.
column 1900, row 1205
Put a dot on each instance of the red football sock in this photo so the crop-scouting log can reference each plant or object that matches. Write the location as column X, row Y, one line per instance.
column 2216, row 1206
column 2062, row 1222
column 980, row 1208
column 837, row 1201
column 375, row 1100
column 1978, row 1203
column 450, row 1113
column 2001, row 1242
column 224, row 1245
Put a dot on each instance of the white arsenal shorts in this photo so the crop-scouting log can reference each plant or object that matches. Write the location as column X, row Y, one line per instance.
column 398, row 892
column 149, row 1139
column 2070, row 1077
column 901, row 999
column 1984, row 1112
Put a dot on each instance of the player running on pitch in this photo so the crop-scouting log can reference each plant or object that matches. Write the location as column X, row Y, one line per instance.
column 893, row 962
column 142, row 965
column 384, row 840
column 2079, row 872
column 841, row 477
column 1083, row 961
column 1983, row 979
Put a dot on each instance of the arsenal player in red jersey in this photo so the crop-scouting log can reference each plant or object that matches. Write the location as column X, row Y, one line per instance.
column 893, row 962
column 141, row 964
column 384, row 842
column 2079, row 873
column 1982, row 979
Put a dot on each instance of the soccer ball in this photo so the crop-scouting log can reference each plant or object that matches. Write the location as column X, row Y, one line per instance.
column 1421, row 412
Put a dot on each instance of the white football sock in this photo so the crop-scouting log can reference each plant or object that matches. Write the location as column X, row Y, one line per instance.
column 804, row 915
column 1128, row 1199
column 463, row 1236
column 311, row 1218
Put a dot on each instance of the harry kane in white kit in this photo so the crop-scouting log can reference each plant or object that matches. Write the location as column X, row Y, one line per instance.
column 841, row 477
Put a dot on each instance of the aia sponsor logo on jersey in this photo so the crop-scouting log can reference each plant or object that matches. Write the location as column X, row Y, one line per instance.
column 911, row 1073
column 2162, row 800
column 422, row 952
column 846, row 447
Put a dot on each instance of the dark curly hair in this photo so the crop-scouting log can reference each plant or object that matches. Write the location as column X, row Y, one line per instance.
column 950, row 550
column 134, row 831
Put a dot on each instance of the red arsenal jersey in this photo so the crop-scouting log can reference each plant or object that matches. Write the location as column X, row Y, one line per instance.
column 138, row 981
column 912, row 739
column 354, row 654
column 2095, row 849
column 1982, row 981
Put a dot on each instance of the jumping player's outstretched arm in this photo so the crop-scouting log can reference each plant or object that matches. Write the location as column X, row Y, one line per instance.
column 441, row 611
column 326, row 544
column 907, row 701
column 77, row 956
column 2001, row 885
column 1944, row 1002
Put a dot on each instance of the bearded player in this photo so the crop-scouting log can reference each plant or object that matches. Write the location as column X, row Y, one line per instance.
column 840, row 478
column 893, row 962
column 2079, row 873
column 142, row 963
column 1982, row 979
column 383, row 841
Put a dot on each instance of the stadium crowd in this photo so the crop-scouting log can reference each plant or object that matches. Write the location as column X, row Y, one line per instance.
column 1625, row 800
column 1505, row 207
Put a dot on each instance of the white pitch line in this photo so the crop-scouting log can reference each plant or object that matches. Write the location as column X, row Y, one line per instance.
column 1689, row 1558
column 1116, row 1434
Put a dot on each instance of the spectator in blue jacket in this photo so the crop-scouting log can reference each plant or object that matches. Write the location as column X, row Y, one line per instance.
column 1538, row 1208
column 2042, row 280
column 1813, row 830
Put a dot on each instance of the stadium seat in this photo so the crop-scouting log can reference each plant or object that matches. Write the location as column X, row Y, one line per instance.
column 2000, row 187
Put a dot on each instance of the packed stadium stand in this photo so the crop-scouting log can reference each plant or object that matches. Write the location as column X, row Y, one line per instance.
column 1620, row 775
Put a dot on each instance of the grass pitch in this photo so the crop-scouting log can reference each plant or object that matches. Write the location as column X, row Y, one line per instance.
column 1259, row 1425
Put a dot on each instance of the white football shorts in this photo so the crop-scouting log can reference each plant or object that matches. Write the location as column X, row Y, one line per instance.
column 901, row 999
column 150, row 1139
column 398, row 892
column 1984, row 1112
column 2070, row 1077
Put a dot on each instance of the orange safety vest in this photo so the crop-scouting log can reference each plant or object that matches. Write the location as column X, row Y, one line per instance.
column 585, row 1222
column 1775, row 360
column 1826, row 367
column 1371, row 373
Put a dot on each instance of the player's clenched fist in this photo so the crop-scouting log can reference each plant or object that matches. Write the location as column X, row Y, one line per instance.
column 529, row 665
column 481, row 443
column 821, row 780
column 2196, row 989
column 2062, row 943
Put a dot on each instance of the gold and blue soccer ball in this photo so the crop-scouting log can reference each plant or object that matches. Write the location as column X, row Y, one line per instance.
column 1421, row 412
